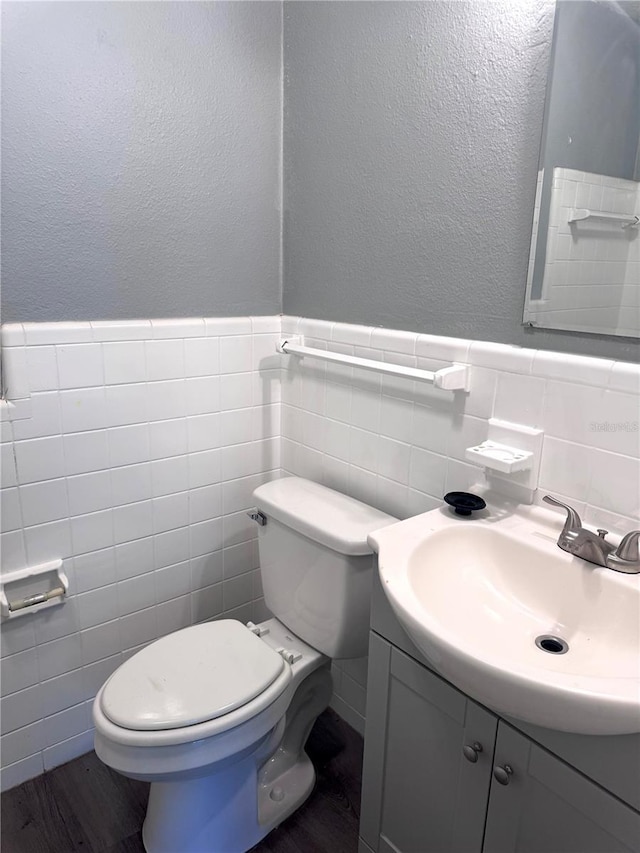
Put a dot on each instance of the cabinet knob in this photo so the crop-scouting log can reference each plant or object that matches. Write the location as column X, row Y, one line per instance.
column 471, row 751
column 503, row 774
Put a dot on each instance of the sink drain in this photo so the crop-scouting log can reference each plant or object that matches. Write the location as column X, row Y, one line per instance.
column 551, row 644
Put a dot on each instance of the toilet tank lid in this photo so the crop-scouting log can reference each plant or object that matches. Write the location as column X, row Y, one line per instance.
column 324, row 515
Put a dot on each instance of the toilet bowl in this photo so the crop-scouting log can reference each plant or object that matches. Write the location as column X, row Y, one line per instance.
column 146, row 729
column 216, row 716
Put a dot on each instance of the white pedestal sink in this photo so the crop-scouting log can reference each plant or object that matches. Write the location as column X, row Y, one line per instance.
column 475, row 594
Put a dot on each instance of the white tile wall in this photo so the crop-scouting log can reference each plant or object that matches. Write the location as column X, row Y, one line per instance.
column 141, row 482
column 145, row 441
column 400, row 445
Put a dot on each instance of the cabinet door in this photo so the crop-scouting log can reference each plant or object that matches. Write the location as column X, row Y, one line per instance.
column 420, row 794
column 547, row 807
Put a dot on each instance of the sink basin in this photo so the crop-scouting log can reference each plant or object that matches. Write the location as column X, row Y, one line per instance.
column 475, row 596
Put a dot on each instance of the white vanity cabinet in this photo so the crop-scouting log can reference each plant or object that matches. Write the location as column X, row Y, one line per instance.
column 436, row 763
column 420, row 794
column 548, row 807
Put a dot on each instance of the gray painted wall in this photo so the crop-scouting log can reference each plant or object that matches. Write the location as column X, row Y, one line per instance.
column 140, row 159
column 411, row 143
column 141, row 162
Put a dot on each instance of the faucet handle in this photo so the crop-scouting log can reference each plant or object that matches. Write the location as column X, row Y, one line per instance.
column 573, row 521
column 628, row 547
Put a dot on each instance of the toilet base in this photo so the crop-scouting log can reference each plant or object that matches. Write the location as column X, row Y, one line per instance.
column 279, row 800
column 232, row 809
column 212, row 813
column 174, row 822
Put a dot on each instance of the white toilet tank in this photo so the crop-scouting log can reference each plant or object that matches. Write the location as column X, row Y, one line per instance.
column 316, row 564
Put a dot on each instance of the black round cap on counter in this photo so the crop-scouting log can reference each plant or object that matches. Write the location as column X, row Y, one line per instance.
column 464, row 503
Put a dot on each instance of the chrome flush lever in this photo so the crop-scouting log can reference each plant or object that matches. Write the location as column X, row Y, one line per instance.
column 257, row 516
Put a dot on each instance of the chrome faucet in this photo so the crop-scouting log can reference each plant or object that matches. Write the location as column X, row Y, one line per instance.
column 577, row 540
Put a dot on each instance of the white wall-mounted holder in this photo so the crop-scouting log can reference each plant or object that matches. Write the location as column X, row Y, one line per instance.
column 454, row 377
column 511, row 458
column 499, row 457
column 32, row 589
column 624, row 220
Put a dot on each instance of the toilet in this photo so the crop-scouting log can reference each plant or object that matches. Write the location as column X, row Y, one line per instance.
column 216, row 715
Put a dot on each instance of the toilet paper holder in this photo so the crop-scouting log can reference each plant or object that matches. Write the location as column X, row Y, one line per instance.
column 32, row 589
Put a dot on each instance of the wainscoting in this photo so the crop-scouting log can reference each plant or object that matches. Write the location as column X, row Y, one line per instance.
column 131, row 450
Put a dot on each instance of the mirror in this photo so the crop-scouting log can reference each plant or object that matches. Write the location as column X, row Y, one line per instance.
column 584, row 264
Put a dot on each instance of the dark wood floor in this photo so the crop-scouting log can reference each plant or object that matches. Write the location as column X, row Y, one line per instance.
column 85, row 806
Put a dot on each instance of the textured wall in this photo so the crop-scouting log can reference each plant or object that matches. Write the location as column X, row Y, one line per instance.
column 141, row 162
column 411, row 143
column 141, row 159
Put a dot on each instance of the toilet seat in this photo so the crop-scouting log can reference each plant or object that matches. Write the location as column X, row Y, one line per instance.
column 208, row 711
column 161, row 753
column 191, row 677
